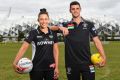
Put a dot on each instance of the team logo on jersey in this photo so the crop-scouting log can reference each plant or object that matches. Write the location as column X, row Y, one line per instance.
column 92, row 69
column 51, row 36
column 39, row 37
column 85, row 26
column 70, row 26
column 68, row 70
column 94, row 29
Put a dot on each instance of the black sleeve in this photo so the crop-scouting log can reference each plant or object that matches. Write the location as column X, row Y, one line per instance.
column 55, row 37
column 92, row 29
column 64, row 24
column 30, row 37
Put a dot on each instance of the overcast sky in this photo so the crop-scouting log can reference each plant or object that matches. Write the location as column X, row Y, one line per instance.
column 59, row 8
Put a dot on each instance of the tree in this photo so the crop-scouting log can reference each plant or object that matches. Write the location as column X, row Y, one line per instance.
column 1, row 38
column 10, row 37
column 20, row 35
column 112, row 36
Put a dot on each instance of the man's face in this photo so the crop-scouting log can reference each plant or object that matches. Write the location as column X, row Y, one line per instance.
column 75, row 11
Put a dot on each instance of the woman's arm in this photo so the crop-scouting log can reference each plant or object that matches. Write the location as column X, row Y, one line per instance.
column 56, row 57
column 20, row 54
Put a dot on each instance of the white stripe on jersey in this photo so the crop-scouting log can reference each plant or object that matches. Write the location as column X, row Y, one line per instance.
column 33, row 49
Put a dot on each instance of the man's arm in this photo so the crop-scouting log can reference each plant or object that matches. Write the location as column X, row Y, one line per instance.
column 54, row 28
column 100, row 49
column 63, row 29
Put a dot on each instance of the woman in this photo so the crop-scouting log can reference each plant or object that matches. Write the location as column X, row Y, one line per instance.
column 45, row 50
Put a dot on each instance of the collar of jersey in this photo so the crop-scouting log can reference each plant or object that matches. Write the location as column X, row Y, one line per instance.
column 82, row 21
column 40, row 32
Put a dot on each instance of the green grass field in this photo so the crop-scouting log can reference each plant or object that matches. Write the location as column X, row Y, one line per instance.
column 110, row 72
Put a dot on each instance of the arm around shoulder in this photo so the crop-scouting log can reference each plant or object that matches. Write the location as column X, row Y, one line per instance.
column 63, row 29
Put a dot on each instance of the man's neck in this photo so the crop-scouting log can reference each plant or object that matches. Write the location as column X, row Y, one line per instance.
column 77, row 20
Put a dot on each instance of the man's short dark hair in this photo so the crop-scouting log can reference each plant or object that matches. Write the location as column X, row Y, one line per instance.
column 75, row 3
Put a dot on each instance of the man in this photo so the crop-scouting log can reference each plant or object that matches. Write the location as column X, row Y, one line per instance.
column 77, row 46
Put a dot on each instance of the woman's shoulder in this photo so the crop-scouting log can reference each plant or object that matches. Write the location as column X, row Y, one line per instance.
column 33, row 31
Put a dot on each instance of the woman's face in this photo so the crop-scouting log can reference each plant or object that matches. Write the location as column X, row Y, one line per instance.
column 43, row 20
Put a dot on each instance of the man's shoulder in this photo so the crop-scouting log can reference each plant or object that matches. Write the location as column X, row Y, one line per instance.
column 66, row 22
column 88, row 21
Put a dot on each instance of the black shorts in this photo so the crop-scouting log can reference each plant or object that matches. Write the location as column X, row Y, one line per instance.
column 86, row 72
column 42, row 75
